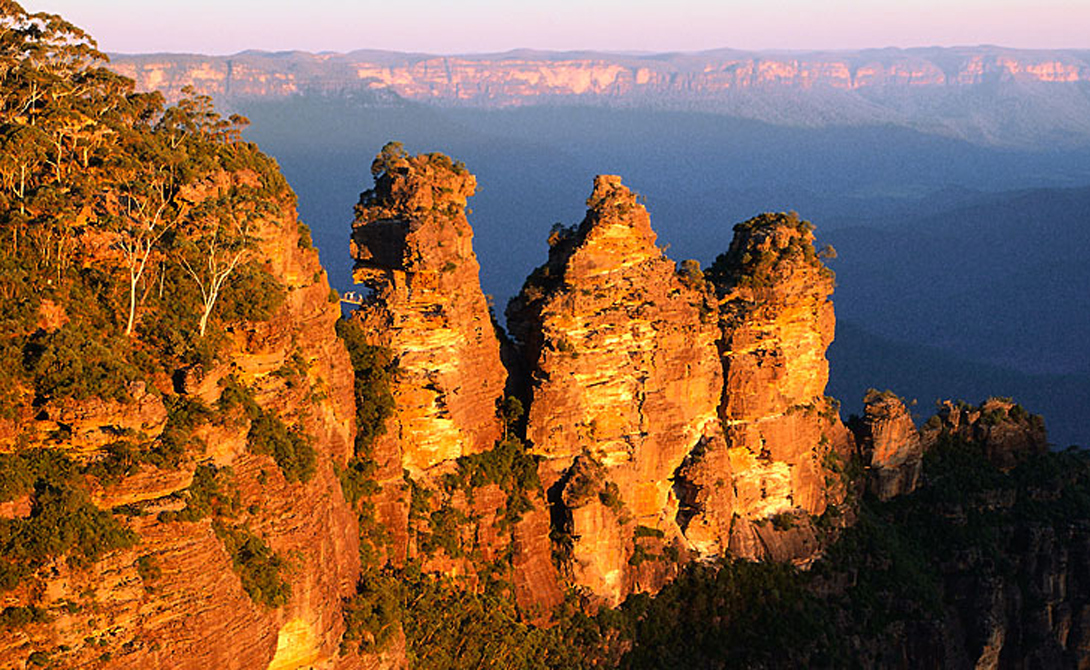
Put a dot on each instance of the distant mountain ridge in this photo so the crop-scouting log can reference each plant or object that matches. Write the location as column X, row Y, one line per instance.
column 988, row 95
column 515, row 76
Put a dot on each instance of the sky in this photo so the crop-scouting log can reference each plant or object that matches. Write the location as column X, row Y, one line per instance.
column 474, row 26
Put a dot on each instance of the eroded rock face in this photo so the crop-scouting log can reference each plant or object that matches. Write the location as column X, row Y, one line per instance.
column 192, row 610
column 413, row 249
column 777, row 322
column 625, row 376
column 889, row 445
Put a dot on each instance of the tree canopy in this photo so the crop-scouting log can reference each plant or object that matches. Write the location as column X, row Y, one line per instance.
column 124, row 223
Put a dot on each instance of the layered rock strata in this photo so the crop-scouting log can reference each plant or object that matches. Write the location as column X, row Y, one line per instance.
column 784, row 436
column 624, row 388
column 175, row 598
column 413, row 250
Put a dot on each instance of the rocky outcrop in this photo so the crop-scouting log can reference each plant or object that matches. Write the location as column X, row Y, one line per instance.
column 784, row 436
column 889, row 445
column 624, row 387
column 413, row 250
column 1003, row 428
column 175, row 597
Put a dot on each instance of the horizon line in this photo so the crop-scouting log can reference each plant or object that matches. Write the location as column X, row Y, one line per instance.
column 606, row 52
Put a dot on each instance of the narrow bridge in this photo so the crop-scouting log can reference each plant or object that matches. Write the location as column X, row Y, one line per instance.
column 353, row 298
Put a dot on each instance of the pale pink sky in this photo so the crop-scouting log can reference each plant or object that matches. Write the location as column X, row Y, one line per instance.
column 446, row 26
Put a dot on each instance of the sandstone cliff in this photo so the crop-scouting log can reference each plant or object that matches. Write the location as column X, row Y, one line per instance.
column 469, row 501
column 784, row 436
column 413, row 250
column 968, row 93
column 181, row 593
column 521, row 76
column 624, row 388
column 183, row 492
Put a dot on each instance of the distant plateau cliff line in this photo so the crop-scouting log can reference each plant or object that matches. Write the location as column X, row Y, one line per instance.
column 520, row 76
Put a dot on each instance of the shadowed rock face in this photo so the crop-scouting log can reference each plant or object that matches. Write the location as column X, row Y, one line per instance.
column 1007, row 433
column 413, row 249
column 625, row 383
column 889, row 444
column 776, row 321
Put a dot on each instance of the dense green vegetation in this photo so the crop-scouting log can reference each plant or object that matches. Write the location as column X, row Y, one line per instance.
column 289, row 447
column 127, row 228
column 768, row 258
column 448, row 627
column 373, row 369
column 507, row 465
column 885, row 582
column 888, row 573
column 212, row 493
column 256, row 564
column 373, row 613
column 63, row 522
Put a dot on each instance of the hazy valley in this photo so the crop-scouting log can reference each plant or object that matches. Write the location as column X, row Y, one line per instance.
column 945, row 245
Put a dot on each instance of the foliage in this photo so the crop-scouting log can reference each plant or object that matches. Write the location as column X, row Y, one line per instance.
column 257, row 565
column 184, row 415
column 253, row 295
column 448, row 626
column 647, row 531
column 20, row 471
column 289, row 447
column 610, row 496
column 15, row 616
column 511, row 411
column 236, row 397
column 62, row 522
column 108, row 200
column 444, row 532
column 374, row 613
column 784, row 521
column 758, row 259
column 212, row 493
column 357, row 479
column 508, row 465
column 727, row 614
column 147, row 566
column 374, row 370
column 124, row 457
column 72, row 362
column 691, row 275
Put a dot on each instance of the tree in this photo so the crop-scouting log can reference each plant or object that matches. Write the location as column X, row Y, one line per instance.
column 691, row 274
column 146, row 214
column 511, row 411
column 219, row 239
